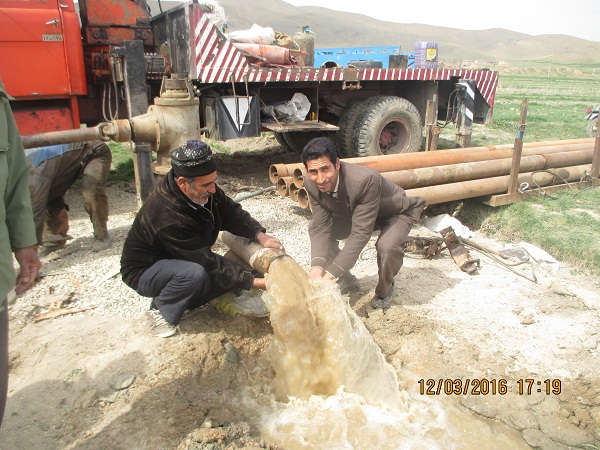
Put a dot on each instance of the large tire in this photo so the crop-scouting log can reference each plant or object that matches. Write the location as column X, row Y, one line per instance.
column 592, row 128
column 388, row 126
column 345, row 143
column 280, row 138
column 298, row 139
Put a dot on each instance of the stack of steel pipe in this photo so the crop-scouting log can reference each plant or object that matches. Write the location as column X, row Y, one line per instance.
column 447, row 175
column 289, row 180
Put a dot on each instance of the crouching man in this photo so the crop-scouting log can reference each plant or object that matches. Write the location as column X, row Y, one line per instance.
column 167, row 254
column 349, row 202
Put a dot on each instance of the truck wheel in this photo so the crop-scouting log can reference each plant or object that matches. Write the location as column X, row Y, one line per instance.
column 280, row 138
column 344, row 137
column 388, row 126
column 592, row 128
column 298, row 139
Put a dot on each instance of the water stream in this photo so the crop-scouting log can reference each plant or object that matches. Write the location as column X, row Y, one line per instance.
column 333, row 388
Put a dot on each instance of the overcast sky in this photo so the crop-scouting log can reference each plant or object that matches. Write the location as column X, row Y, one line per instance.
column 579, row 18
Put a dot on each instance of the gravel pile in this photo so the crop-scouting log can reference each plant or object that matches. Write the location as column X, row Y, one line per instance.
column 84, row 279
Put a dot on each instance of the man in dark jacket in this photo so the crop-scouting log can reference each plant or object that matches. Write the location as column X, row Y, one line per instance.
column 349, row 202
column 52, row 171
column 167, row 254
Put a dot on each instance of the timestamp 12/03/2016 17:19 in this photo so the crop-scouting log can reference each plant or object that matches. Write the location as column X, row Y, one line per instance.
column 484, row 386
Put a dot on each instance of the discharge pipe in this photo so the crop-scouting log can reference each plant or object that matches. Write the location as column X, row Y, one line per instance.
column 257, row 256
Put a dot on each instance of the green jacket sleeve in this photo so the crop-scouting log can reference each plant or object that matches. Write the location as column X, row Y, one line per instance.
column 16, row 219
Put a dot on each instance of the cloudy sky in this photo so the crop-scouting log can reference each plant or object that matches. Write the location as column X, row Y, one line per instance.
column 579, row 18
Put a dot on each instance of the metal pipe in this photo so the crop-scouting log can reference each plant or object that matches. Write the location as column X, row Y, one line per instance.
column 298, row 176
column 63, row 137
column 240, row 197
column 257, row 256
column 402, row 161
column 496, row 185
column 283, row 186
column 430, row 176
column 303, row 200
column 277, row 171
column 293, row 191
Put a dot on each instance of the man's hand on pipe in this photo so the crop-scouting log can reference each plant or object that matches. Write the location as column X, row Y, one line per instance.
column 269, row 241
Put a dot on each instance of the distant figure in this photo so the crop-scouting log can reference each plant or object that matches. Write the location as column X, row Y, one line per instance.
column 17, row 232
column 168, row 252
column 53, row 170
column 349, row 202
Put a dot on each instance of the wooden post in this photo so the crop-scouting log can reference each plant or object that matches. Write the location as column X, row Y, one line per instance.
column 430, row 120
column 513, row 180
column 435, row 137
column 596, row 158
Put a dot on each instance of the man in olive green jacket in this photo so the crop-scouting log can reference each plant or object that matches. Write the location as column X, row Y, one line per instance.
column 17, row 232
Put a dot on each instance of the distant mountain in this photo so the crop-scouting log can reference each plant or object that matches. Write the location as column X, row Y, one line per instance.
column 456, row 47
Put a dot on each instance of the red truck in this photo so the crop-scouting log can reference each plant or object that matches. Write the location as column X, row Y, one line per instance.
column 63, row 76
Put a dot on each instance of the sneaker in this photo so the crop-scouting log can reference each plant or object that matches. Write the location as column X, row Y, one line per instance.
column 383, row 302
column 100, row 244
column 159, row 326
column 348, row 283
column 248, row 303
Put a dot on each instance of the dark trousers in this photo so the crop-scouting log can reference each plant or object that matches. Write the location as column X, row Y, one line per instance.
column 394, row 231
column 176, row 286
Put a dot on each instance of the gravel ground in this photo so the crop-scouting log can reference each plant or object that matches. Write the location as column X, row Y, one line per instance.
column 443, row 324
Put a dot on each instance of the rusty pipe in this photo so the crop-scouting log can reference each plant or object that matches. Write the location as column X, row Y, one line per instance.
column 298, row 176
column 257, row 256
column 430, row 176
column 402, row 161
column 293, row 192
column 277, row 171
column 496, row 185
column 283, row 186
column 303, row 200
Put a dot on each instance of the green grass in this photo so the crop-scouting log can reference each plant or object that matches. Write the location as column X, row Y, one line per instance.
column 567, row 225
column 122, row 162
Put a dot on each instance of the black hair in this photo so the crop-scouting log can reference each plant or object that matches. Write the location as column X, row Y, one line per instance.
column 317, row 147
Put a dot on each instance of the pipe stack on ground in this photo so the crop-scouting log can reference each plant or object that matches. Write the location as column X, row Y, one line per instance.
column 448, row 175
column 289, row 180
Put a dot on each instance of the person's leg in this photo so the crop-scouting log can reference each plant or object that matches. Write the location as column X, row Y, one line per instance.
column 175, row 285
column 390, row 244
column 95, row 200
column 58, row 217
column 390, row 252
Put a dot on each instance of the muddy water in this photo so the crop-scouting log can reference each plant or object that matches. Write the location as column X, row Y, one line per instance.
column 333, row 388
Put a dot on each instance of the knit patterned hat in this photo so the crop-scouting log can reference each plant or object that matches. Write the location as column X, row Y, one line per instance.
column 193, row 159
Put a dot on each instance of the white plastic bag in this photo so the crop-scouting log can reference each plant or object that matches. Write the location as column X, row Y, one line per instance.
column 255, row 35
column 438, row 223
column 294, row 110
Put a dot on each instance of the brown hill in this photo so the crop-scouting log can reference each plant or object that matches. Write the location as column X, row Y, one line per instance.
column 341, row 29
